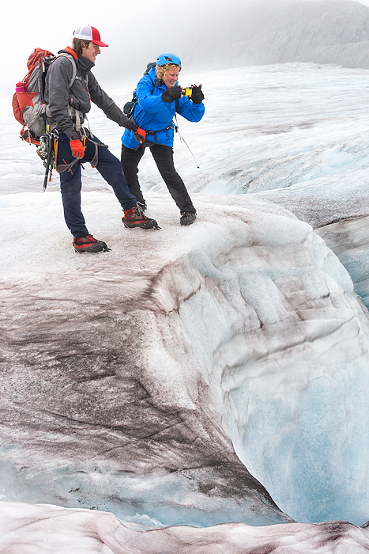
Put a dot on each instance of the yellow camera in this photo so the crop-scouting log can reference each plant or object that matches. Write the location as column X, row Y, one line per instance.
column 187, row 91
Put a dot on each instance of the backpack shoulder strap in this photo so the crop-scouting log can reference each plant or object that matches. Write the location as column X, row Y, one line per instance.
column 74, row 74
column 153, row 82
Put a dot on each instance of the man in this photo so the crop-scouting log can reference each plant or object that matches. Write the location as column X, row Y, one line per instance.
column 69, row 89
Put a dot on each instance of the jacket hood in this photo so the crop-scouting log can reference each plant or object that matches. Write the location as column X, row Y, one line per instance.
column 83, row 62
column 69, row 50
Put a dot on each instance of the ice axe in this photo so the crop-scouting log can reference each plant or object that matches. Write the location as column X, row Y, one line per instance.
column 49, row 165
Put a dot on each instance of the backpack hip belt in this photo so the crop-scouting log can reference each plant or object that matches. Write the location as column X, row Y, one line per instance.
column 150, row 133
column 171, row 125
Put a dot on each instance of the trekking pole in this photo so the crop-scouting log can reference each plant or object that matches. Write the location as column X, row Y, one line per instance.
column 48, row 162
column 176, row 128
column 183, row 140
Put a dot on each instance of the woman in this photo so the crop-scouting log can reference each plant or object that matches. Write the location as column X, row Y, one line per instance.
column 159, row 97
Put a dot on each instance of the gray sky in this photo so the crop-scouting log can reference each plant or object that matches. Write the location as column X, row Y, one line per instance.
column 52, row 29
column 135, row 31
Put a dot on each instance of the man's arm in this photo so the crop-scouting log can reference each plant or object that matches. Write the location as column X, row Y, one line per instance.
column 107, row 105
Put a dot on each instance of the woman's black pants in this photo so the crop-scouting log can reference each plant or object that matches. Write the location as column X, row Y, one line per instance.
column 163, row 156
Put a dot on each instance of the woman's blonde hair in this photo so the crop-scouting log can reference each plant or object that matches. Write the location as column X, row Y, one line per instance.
column 162, row 70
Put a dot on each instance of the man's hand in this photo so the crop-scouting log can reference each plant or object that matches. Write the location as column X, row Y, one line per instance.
column 140, row 135
column 78, row 150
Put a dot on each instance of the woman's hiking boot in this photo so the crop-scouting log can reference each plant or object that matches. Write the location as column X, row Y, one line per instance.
column 89, row 244
column 187, row 218
column 142, row 205
column 135, row 217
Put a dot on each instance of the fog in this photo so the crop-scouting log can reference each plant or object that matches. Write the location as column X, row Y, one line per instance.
column 136, row 33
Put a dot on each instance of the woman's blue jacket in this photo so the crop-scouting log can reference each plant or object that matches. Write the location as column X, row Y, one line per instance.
column 151, row 113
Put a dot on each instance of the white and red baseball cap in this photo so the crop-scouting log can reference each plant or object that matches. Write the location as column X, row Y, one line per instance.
column 86, row 32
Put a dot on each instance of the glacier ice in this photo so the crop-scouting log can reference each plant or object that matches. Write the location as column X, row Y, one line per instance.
column 43, row 528
column 227, row 379
column 244, row 326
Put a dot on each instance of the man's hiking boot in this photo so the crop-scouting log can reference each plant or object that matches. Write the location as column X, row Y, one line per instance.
column 187, row 218
column 89, row 244
column 136, row 218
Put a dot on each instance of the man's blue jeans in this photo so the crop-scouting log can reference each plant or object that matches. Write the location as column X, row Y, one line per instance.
column 107, row 165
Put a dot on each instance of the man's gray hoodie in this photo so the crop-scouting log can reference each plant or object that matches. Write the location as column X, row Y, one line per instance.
column 84, row 90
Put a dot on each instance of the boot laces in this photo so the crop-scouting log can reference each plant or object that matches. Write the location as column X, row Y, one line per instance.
column 140, row 211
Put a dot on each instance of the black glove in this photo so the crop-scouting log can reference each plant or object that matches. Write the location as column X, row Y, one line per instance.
column 173, row 93
column 197, row 95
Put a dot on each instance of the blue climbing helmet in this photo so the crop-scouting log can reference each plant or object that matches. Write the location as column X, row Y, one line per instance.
column 168, row 57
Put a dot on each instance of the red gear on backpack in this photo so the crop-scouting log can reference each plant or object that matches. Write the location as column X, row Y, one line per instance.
column 23, row 98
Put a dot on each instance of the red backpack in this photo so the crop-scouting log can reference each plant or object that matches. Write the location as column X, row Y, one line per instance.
column 28, row 103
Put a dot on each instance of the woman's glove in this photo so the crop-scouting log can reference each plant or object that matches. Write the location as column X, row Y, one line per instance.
column 197, row 95
column 173, row 93
column 78, row 150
